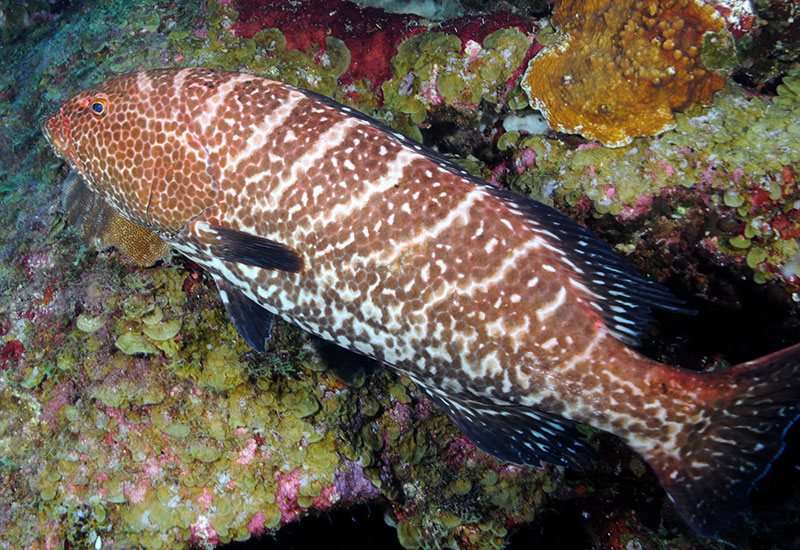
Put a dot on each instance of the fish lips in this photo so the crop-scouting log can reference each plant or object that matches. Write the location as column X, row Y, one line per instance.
column 57, row 135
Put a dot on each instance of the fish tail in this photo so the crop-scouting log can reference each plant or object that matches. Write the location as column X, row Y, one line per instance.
column 738, row 437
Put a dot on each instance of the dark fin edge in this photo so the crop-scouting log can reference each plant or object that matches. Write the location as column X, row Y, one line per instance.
column 78, row 202
column 514, row 433
column 722, row 461
column 252, row 322
column 245, row 248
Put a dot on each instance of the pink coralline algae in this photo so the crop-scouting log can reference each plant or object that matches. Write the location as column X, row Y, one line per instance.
column 290, row 490
column 203, row 533
column 459, row 448
column 63, row 395
column 738, row 15
column 402, row 415
column 286, row 495
column 327, row 497
column 246, row 455
column 256, row 525
column 205, row 499
column 11, row 352
column 136, row 492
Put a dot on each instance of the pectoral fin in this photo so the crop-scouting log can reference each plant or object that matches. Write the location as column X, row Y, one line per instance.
column 241, row 247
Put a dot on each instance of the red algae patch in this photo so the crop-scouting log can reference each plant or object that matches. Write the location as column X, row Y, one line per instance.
column 370, row 34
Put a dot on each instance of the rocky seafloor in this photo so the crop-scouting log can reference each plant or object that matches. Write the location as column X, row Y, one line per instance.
column 133, row 416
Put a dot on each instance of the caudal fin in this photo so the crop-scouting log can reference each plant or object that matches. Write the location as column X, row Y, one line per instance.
column 724, row 456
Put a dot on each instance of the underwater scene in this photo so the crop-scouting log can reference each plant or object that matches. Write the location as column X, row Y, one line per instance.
column 423, row 274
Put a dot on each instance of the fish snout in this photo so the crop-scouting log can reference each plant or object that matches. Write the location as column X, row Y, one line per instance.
column 55, row 133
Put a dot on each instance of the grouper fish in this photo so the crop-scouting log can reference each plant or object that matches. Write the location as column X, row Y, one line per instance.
column 513, row 318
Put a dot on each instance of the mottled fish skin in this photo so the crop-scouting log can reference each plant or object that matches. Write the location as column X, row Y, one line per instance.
column 512, row 317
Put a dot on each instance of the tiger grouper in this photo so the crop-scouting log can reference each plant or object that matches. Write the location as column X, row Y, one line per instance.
column 514, row 319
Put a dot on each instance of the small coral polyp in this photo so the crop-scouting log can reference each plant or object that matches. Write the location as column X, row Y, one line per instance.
column 621, row 69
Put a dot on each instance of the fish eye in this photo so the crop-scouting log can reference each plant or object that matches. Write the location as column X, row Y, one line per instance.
column 99, row 107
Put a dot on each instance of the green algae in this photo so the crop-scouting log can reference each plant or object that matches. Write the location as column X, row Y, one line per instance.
column 154, row 317
column 337, row 57
column 460, row 487
column 508, row 140
column 434, row 68
column 162, row 331
column 300, row 404
column 132, row 343
column 398, row 391
column 205, row 452
column 85, row 323
column 736, row 151
column 718, row 52
column 221, row 369
column 409, row 534
column 548, row 35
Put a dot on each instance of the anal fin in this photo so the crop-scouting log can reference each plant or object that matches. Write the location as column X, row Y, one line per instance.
column 515, row 433
column 252, row 322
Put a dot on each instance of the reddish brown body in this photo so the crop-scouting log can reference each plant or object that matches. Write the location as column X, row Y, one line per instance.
column 509, row 315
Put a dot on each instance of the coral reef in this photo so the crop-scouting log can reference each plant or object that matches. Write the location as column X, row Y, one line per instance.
column 354, row 53
column 436, row 68
column 132, row 415
column 773, row 46
column 623, row 74
column 368, row 35
column 740, row 157
column 17, row 16
column 146, row 425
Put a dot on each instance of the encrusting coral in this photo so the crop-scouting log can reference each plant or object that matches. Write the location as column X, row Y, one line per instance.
column 620, row 69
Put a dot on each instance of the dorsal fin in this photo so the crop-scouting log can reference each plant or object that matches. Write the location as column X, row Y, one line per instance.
column 621, row 296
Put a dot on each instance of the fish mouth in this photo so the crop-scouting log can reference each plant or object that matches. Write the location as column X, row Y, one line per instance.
column 55, row 136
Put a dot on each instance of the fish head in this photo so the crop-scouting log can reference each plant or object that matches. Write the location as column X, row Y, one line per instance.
column 81, row 115
column 130, row 138
column 93, row 132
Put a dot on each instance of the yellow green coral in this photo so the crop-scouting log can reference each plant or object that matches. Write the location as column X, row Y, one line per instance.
column 161, row 451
